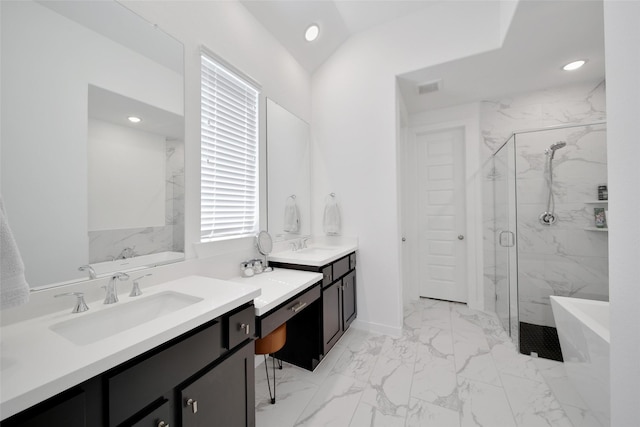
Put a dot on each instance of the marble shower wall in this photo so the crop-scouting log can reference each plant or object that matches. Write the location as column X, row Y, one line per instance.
column 104, row 245
column 563, row 259
column 566, row 258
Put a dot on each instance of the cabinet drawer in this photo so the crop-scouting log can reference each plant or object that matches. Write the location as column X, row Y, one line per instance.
column 279, row 315
column 239, row 327
column 327, row 276
column 340, row 267
column 143, row 383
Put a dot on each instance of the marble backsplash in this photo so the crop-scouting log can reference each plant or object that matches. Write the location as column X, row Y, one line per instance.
column 107, row 244
column 562, row 259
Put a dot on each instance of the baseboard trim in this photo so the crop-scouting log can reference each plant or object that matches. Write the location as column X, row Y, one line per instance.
column 377, row 328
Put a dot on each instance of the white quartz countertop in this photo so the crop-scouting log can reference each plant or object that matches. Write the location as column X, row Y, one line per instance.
column 278, row 286
column 37, row 363
column 315, row 255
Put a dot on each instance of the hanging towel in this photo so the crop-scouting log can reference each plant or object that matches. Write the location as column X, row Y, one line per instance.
column 14, row 289
column 291, row 216
column 331, row 220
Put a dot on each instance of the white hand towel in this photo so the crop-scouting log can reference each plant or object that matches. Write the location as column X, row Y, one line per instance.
column 291, row 216
column 331, row 220
column 14, row 289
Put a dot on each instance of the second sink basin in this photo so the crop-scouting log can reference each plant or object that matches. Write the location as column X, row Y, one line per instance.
column 90, row 328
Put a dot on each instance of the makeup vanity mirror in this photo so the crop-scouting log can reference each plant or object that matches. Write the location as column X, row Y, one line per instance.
column 82, row 183
column 288, row 174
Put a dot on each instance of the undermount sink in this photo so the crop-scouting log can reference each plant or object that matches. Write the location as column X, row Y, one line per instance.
column 315, row 250
column 93, row 327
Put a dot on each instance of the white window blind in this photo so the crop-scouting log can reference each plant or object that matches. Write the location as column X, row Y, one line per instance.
column 229, row 153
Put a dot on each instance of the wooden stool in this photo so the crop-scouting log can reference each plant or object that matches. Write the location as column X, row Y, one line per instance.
column 269, row 345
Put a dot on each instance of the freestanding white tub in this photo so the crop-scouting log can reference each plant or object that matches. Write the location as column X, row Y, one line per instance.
column 583, row 329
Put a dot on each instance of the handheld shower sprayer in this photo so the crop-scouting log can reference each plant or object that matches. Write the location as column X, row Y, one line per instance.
column 548, row 217
column 551, row 151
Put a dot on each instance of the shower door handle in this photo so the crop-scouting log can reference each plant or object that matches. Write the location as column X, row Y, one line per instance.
column 507, row 239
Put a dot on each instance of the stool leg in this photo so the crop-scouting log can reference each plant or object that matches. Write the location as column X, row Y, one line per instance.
column 266, row 368
column 273, row 360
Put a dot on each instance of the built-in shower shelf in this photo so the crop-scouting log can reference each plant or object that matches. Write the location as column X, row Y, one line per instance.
column 596, row 229
column 594, row 202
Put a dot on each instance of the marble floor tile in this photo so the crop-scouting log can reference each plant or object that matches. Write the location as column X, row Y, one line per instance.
column 292, row 396
column 359, row 357
column 452, row 366
column 581, row 417
column 425, row 414
column 483, row 405
column 509, row 361
column 533, row 403
column 370, row 416
column 334, row 403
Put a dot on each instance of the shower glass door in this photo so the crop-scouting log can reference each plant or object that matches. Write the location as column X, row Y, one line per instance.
column 504, row 227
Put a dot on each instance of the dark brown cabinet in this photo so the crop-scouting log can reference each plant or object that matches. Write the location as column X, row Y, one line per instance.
column 331, row 325
column 339, row 302
column 213, row 363
column 66, row 409
column 223, row 396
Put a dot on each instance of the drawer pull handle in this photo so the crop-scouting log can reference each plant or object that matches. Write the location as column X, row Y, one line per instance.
column 162, row 424
column 245, row 328
column 193, row 404
column 296, row 308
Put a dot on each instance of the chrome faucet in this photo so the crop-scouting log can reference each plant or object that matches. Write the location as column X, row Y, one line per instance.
column 126, row 253
column 92, row 272
column 304, row 242
column 112, row 290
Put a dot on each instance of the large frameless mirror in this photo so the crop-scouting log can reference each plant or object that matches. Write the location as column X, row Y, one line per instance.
column 288, row 174
column 92, row 139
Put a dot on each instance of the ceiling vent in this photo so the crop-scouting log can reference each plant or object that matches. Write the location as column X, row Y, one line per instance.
column 430, row 87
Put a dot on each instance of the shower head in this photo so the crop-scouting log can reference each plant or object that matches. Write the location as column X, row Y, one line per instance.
column 557, row 145
column 551, row 151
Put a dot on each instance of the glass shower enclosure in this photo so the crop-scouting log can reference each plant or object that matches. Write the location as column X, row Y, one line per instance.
column 547, row 228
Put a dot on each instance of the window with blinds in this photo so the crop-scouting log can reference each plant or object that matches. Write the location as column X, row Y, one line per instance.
column 229, row 153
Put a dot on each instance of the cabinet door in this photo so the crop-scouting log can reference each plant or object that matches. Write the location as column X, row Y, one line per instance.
column 67, row 409
column 348, row 300
column 331, row 324
column 224, row 396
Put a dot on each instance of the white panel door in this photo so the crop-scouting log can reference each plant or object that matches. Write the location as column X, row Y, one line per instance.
column 441, row 215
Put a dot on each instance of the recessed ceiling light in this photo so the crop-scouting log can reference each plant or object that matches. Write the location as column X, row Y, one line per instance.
column 134, row 119
column 312, row 32
column 574, row 65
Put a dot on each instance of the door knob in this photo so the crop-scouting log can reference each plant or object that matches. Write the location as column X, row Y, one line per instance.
column 460, row 237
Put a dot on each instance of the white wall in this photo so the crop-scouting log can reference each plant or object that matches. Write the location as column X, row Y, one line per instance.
column 231, row 32
column 354, row 135
column 622, row 38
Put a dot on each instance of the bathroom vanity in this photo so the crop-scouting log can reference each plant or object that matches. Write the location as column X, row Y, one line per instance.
column 188, row 367
column 338, row 294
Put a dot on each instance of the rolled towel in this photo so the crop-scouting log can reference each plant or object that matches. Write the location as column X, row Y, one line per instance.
column 14, row 289
column 291, row 216
column 331, row 221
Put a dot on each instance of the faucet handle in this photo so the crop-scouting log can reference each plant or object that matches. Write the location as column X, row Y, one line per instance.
column 120, row 276
column 80, row 306
column 135, row 291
